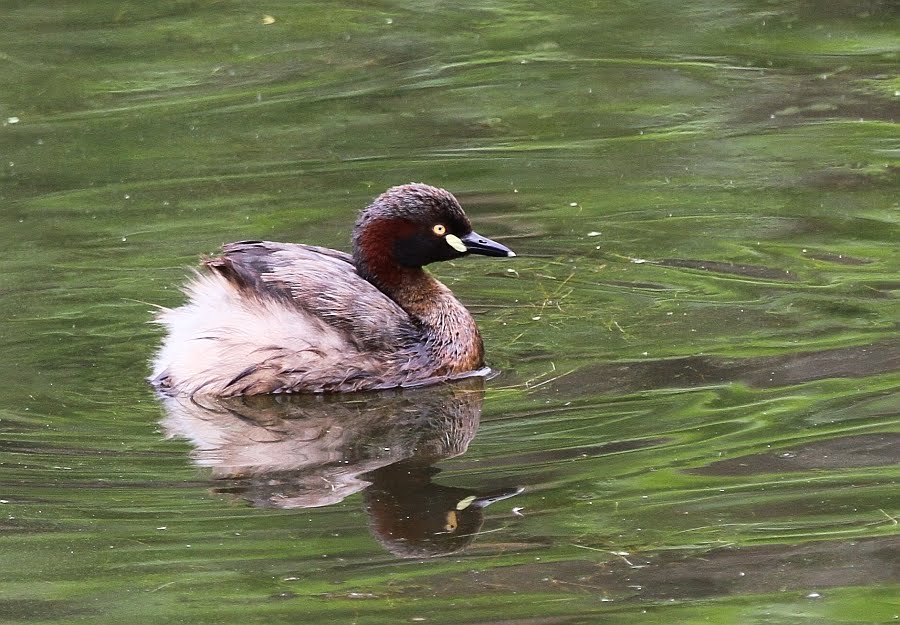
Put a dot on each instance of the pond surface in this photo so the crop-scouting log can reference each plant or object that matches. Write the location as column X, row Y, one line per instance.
column 696, row 419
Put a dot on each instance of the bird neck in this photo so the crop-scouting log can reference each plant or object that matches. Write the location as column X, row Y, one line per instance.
column 448, row 328
column 451, row 333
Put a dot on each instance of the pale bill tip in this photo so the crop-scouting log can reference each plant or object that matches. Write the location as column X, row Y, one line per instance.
column 456, row 243
column 465, row 503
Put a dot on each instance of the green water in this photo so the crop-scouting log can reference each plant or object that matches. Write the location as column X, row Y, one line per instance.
column 698, row 341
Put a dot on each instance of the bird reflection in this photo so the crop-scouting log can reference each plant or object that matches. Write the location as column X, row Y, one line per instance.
column 399, row 495
column 307, row 451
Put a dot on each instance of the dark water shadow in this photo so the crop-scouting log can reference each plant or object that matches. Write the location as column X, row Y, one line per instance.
column 807, row 569
column 309, row 451
column 762, row 569
column 744, row 270
column 757, row 372
column 845, row 452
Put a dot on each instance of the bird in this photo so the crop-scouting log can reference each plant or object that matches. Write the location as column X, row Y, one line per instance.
column 266, row 317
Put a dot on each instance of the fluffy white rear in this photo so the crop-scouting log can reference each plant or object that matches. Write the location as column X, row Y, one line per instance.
column 221, row 332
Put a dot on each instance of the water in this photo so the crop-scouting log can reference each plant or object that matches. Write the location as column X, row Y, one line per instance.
column 698, row 342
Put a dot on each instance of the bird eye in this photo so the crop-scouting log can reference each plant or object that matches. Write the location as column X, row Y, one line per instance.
column 439, row 230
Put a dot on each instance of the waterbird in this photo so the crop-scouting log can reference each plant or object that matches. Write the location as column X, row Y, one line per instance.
column 266, row 317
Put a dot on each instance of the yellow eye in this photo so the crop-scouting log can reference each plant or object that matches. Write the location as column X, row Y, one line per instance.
column 439, row 230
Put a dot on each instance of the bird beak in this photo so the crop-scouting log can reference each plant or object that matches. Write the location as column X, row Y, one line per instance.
column 488, row 498
column 477, row 244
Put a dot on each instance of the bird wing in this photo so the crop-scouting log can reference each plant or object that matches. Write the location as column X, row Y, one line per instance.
column 323, row 283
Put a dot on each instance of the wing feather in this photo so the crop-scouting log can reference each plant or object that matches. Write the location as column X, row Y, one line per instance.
column 323, row 283
column 282, row 317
